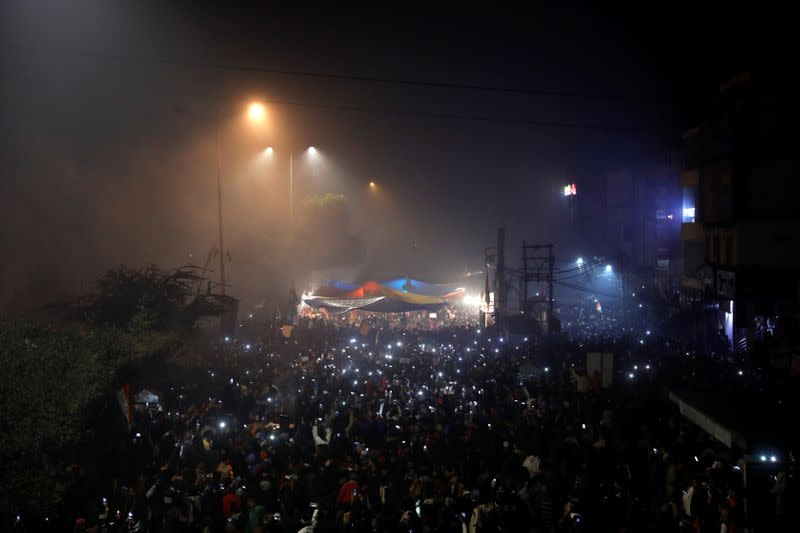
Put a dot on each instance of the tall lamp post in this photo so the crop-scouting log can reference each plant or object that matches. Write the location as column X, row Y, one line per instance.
column 256, row 113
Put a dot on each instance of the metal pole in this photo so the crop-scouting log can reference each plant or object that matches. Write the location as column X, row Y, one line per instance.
column 524, row 305
column 622, row 289
column 219, row 211
column 499, row 280
column 291, row 191
column 551, row 266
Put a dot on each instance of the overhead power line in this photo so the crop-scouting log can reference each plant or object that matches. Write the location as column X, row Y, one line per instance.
column 387, row 81
column 260, row 69
column 585, row 289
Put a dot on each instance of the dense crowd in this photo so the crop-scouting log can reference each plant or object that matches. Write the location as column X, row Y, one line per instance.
column 452, row 430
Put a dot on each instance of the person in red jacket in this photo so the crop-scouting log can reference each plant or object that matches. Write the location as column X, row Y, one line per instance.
column 231, row 503
column 348, row 490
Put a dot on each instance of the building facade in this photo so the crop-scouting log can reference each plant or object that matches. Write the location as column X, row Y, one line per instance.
column 740, row 224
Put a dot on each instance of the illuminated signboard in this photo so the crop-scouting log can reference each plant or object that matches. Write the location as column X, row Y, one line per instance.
column 570, row 190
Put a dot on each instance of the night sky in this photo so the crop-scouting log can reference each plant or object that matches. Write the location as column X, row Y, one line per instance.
column 108, row 121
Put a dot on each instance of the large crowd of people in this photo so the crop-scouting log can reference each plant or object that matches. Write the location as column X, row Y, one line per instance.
column 454, row 429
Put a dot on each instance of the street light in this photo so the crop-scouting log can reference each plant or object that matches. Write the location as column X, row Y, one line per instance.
column 312, row 152
column 579, row 262
column 609, row 269
column 256, row 112
column 372, row 185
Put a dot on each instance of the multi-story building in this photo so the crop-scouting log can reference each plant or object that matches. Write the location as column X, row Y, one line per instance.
column 632, row 217
column 740, row 220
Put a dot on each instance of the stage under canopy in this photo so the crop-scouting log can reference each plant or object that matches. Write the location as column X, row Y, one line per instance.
column 398, row 295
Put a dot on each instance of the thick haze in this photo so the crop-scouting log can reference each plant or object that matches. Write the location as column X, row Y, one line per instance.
column 109, row 118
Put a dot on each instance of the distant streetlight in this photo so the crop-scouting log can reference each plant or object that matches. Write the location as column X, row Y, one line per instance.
column 609, row 269
column 579, row 262
column 312, row 152
column 372, row 185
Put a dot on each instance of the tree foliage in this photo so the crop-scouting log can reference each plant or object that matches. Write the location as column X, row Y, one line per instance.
column 147, row 299
column 50, row 378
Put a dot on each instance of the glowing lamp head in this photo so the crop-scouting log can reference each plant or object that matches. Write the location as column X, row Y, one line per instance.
column 372, row 185
column 312, row 151
column 609, row 269
column 268, row 150
column 579, row 262
column 256, row 112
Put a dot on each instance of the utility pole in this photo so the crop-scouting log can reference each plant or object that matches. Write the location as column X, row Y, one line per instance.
column 291, row 192
column 532, row 255
column 524, row 280
column 551, row 260
column 500, row 280
column 622, row 288
column 219, row 209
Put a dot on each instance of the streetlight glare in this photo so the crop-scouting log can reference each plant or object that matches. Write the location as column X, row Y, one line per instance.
column 256, row 112
column 372, row 185
column 268, row 150
column 312, row 151
column 579, row 261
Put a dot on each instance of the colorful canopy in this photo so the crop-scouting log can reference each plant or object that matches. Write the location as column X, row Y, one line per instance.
column 393, row 296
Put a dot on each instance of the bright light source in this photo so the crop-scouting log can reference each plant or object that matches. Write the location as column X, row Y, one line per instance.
column 372, row 184
column 312, row 151
column 609, row 269
column 256, row 112
column 741, row 373
column 773, row 459
column 472, row 300
column 630, row 375
column 579, row 262
column 763, row 458
column 222, row 425
column 268, row 150
column 570, row 190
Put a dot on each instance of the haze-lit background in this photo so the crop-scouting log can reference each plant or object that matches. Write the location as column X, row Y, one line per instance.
column 109, row 116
